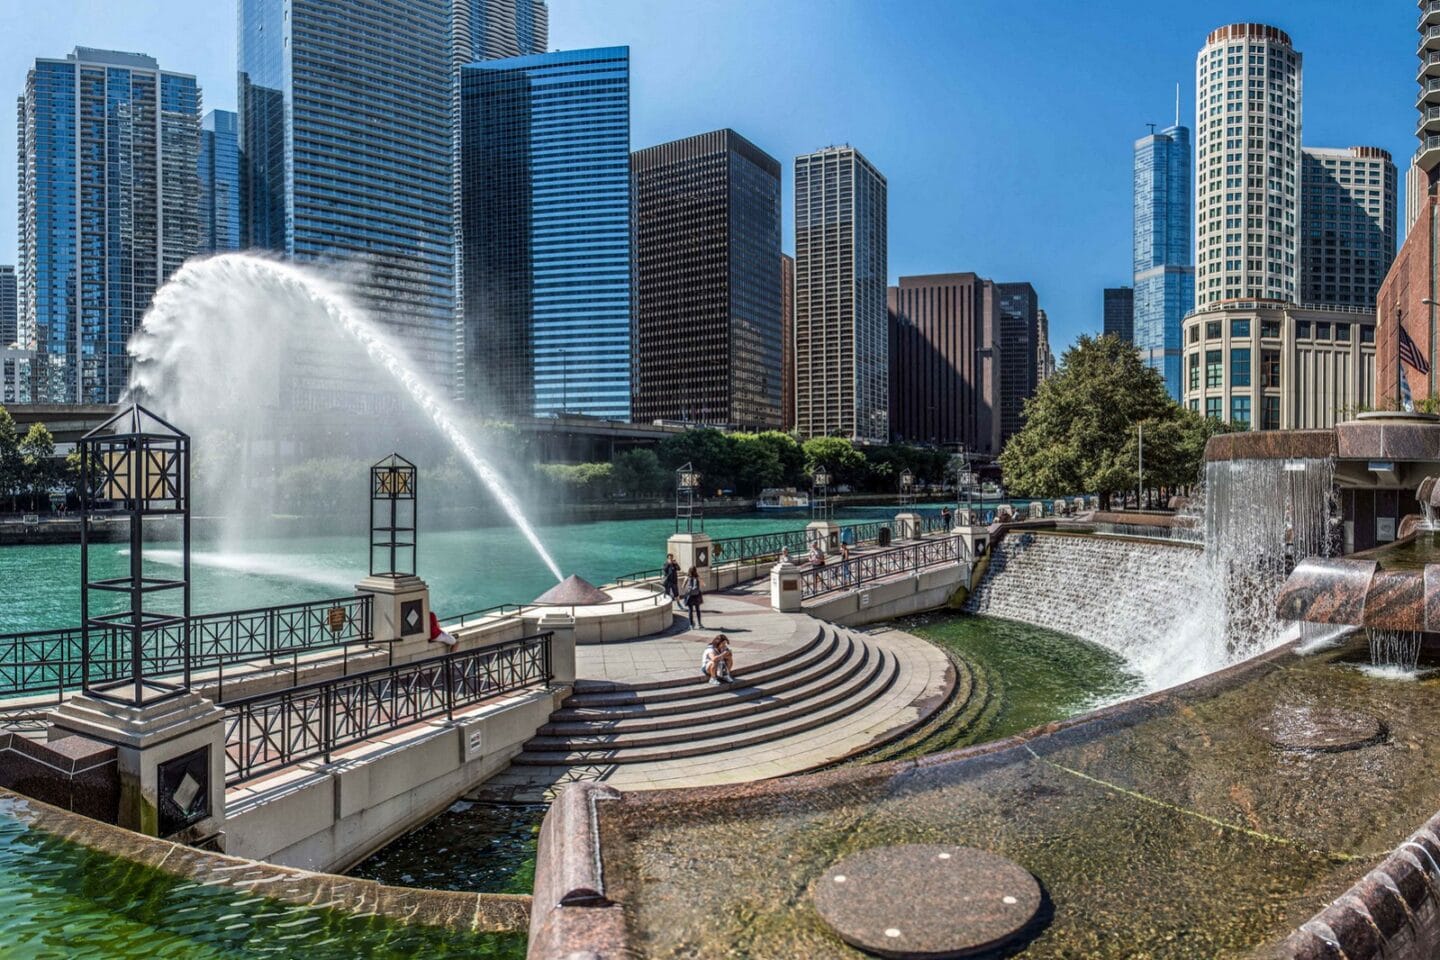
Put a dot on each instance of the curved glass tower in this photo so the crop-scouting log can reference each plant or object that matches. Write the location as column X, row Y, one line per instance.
column 1164, row 277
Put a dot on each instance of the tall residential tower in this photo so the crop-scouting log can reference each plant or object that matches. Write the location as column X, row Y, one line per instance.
column 219, row 183
column 1348, row 211
column 545, row 218
column 1164, row 277
column 345, row 140
column 841, row 322
column 109, row 208
column 707, row 282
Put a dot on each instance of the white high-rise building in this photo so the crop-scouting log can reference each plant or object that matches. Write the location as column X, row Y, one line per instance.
column 1247, row 173
column 842, row 326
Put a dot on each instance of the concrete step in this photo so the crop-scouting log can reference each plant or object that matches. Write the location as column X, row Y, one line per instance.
column 703, row 698
column 779, row 669
column 886, row 670
column 863, row 670
column 588, row 687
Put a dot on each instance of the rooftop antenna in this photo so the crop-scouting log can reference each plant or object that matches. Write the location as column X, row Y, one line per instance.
column 1152, row 128
column 1177, row 104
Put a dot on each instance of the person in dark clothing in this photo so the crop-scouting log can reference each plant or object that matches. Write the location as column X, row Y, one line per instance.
column 671, row 577
column 945, row 516
column 694, row 597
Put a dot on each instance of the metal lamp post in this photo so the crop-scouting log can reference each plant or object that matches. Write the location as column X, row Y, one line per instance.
column 688, row 507
column 134, row 465
column 907, row 488
column 820, row 494
column 393, row 487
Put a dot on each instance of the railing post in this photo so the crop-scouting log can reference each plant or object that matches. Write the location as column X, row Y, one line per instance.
column 327, row 718
column 270, row 634
column 449, row 687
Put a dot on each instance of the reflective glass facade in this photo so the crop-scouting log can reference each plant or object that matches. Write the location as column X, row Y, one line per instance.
column 842, row 325
column 1119, row 317
column 1164, row 275
column 1019, row 309
column 9, row 306
column 545, row 221
column 219, row 183
column 109, row 208
column 707, row 282
column 344, row 129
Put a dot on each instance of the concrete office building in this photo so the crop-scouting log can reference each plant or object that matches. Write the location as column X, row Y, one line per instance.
column 842, row 355
column 9, row 306
column 1019, row 313
column 1348, row 229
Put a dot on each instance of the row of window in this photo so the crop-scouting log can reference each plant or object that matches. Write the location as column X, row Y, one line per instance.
column 1240, row 411
column 1304, row 330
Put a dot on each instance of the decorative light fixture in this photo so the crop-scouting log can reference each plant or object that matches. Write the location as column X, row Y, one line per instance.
column 393, row 486
column 688, row 506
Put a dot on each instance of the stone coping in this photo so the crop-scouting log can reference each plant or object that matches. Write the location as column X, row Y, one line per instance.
column 577, row 915
column 1392, row 438
column 461, row 912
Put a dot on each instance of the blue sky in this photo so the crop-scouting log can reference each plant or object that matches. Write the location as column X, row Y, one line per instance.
column 1005, row 129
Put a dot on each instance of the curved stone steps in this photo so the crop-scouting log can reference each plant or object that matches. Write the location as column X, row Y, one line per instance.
column 587, row 705
column 811, row 634
column 643, row 748
column 862, row 672
column 742, row 698
column 922, row 739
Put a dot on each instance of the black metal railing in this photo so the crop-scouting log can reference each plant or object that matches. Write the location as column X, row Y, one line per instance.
column 270, row 731
column 51, row 661
column 844, row 574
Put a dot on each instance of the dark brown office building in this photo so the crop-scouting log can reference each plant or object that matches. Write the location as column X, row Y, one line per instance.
column 787, row 341
column 944, row 362
column 707, row 282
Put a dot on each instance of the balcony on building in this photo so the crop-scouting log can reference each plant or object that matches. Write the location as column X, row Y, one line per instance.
column 1429, row 122
column 1429, row 13
column 1429, row 39
column 1429, row 94
column 1427, row 158
column 1429, row 65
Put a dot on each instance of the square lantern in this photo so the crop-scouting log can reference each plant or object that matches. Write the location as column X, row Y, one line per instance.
column 136, row 650
column 907, row 487
column 393, row 484
column 689, row 505
column 820, row 493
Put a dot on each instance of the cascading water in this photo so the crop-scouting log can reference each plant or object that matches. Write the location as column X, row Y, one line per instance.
column 1395, row 650
column 228, row 336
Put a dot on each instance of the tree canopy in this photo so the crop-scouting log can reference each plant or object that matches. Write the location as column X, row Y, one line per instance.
column 1080, row 432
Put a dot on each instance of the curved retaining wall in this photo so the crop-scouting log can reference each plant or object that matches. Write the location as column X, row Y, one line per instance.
column 462, row 912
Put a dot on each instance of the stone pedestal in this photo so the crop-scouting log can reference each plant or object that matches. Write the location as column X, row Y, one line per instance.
column 965, row 517
column 401, row 615
column 691, row 550
column 1037, row 510
column 171, row 758
column 908, row 526
column 562, row 645
column 827, row 532
column 785, row 587
column 975, row 537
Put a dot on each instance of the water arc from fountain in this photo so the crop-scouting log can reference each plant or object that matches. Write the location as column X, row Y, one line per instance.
column 179, row 325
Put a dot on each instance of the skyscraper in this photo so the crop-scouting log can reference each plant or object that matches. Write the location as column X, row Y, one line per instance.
column 1347, row 215
column 545, row 189
column 944, row 379
column 109, row 207
column 9, row 306
column 1119, row 318
column 707, row 282
column 787, row 342
column 482, row 30
column 345, row 140
column 219, row 183
column 1247, row 190
column 1019, row 309
column 1164, row 277
column 841, row 323
column 1044, row 357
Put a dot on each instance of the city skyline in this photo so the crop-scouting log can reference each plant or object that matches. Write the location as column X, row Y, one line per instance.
column 972, row 162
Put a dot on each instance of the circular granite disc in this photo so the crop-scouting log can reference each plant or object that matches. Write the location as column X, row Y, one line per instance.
column 926, row 901
column 1322, row 729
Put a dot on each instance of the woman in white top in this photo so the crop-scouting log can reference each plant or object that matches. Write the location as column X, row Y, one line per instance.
column 717, row 660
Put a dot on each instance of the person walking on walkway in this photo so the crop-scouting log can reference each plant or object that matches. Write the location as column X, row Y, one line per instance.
column 694, row 597
column 945, row 518
column 845, row 562
column 718, row 660
column 671, row 577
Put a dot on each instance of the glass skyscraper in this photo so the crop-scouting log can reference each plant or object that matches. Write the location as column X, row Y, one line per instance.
column 219, row 183
column 545, row 219
column 109, row 209
column 9, row 306
column 344, row 127
column 1164, row 271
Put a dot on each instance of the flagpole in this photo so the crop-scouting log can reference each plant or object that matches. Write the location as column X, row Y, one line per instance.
column 1399, row 322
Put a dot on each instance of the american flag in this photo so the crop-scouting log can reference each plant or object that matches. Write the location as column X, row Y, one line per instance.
column 1411, row 353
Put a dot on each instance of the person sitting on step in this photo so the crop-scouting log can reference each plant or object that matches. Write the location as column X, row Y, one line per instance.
column 718, row 660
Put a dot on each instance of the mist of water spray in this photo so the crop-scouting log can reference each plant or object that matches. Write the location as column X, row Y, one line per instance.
column 226, row 335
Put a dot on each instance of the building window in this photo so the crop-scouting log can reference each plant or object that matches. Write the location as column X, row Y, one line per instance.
column 1342, row 333
column 1212, row 408
column 1270, row 368
column 1302, row 329
column 1240, row 367
column 1270, row 413
column 1240, row 412
column 1322, row 331
column 1214, row 368
column 1212, row 330
column 1195, row 371
column 1367, row 334
column 1269, row 328
column 1239, row 328
column 1195, row 334
column 1195, row 404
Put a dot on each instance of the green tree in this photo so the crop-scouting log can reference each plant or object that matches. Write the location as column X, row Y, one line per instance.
column 847, row 465
column 11, row 468
column 757, row 464
column 638, row 473
column 37, row 453
column 708, row 450
column 1080, row 425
